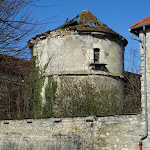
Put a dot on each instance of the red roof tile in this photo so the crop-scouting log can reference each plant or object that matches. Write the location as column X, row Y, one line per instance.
column 141, row 22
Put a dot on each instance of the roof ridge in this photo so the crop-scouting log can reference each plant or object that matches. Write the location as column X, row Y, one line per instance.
column 84, row 18
column 141, row 22
column 85, row 21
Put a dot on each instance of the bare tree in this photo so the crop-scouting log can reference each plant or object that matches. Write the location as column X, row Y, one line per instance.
column 132, row 60
column 132, row 85
column 16, row 25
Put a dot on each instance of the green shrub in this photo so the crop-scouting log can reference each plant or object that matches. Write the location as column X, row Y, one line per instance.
column 50, row 95
column 84, row 99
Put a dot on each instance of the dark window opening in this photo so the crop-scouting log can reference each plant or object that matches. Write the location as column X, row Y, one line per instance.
column 97, row 64
column 96, row 55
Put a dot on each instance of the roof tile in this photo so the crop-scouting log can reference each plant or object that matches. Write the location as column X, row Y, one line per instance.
column 84, row 22
column 141, row 22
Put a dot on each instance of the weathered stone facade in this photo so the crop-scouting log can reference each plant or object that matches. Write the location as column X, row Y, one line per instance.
column 78, row 133
column 147, row 69
column 142, row 30
column 145, row 142
column 79, row 48
column 73, row 53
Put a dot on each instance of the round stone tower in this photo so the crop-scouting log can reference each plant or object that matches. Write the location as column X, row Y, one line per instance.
column 82, row 49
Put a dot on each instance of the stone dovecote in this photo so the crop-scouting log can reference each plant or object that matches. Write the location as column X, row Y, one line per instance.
column 84, row 49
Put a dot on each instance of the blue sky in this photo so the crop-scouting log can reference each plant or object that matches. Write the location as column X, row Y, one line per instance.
column 117, row 14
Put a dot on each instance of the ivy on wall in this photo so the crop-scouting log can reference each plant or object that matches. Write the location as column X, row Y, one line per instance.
column 85, row 99
column 35, row 99
column 50, row 95
column 37, row 79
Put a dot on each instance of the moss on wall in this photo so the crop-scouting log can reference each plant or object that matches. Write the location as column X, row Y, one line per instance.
column 35, row 100
column 84, row 99
column 71, row 97
column 37, row 79
column 50, row 95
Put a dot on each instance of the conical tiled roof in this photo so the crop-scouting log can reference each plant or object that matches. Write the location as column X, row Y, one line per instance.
column 85, row 18
column 86, row 22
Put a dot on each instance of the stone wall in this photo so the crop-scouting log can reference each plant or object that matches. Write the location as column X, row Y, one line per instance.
column 84, row 95
column 80, row 133
column 69, row 52
column 147, row 77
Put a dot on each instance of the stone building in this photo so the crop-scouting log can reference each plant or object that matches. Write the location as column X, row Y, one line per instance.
column 119, row 132
column 81, row 49
column 141, row 29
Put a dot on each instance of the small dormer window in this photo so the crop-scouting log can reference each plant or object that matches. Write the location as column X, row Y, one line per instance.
column 96, row 55
column 98, row 60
